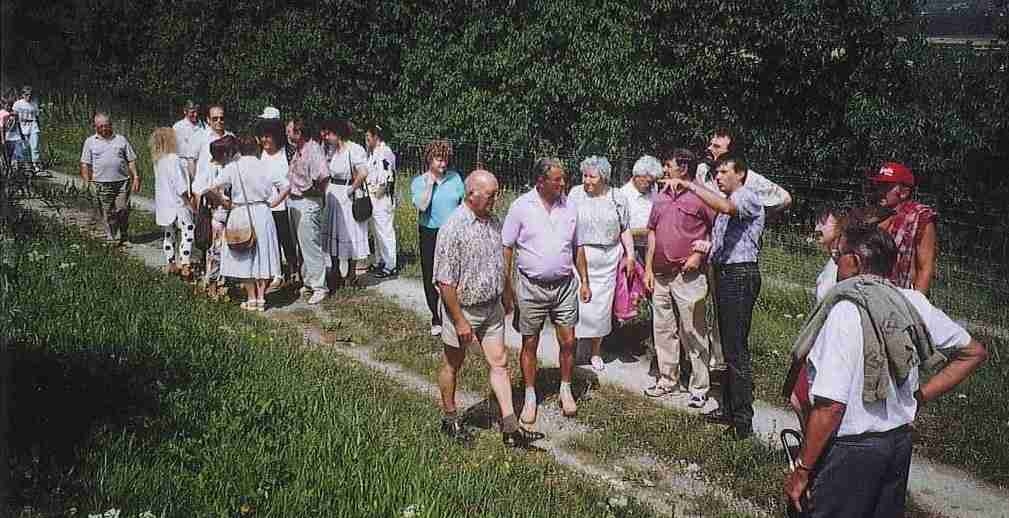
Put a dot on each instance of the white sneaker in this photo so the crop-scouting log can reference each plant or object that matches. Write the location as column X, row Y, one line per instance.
column 435, row 330
column 304, row 290
column 318, row 297
column 597, row 363
column 275, row 285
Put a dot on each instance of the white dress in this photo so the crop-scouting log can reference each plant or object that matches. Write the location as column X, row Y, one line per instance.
column 601, row 220
column 170, row 186
column 255, row 190
column 348, row 238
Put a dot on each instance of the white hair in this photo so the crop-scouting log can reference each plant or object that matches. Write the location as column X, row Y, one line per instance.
column 599, row 164
column 647, row 166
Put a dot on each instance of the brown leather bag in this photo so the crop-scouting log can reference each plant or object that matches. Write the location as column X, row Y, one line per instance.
column 239, row 232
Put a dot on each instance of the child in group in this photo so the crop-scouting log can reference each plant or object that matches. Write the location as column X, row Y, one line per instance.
column 222, row 152
column 253, row 189
column 172, row 200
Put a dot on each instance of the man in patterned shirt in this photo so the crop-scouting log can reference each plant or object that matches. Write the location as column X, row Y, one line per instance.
column 468, row 265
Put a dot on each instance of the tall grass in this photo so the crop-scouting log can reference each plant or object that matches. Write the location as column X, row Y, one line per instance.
column 131, row 394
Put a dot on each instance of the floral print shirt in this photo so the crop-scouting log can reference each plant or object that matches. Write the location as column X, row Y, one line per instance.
column 469, row 256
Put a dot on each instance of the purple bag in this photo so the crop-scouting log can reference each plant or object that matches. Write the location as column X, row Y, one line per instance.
column 626, row 296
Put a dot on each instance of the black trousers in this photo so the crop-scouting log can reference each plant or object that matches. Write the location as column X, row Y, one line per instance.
column 286, row 239
column 738, row 287
column 863, row 475
column 428, row 239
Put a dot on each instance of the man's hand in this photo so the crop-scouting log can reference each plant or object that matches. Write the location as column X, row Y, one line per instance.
column 585, row 292
column 692, row 263
column 463, row 331
column 700, row 246
column 136, row 184
column 649, row 280
column 796, row 487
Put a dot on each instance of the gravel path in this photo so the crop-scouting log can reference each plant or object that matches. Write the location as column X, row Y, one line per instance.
column 940, row 488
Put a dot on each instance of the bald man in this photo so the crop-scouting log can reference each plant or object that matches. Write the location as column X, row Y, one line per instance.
column 109, row 161
column 468, row 262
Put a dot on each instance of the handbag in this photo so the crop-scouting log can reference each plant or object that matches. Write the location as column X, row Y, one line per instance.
column 239, row 233
column 361, row 206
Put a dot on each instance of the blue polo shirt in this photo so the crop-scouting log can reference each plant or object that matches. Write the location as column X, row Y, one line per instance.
column 447, row 195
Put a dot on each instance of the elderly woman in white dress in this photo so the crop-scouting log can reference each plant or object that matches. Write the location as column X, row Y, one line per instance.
column 253, row 188
column 604, row 229
column 348, row 169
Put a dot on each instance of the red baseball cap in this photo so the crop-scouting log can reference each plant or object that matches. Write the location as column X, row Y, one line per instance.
column 893, row 172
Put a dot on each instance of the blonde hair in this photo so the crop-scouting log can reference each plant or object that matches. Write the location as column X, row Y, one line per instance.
column 161, row 143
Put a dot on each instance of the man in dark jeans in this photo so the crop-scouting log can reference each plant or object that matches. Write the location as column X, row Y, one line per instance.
column 857, row 450
column 735, row 244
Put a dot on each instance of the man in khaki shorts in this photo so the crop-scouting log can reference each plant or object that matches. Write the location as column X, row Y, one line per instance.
column 540, row 230
column 467, row 269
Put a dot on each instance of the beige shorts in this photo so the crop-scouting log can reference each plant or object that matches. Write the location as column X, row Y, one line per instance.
column 536, row 301
column 487, row 321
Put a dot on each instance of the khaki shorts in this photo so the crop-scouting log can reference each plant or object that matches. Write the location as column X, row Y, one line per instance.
column 487, row 321
column 538, row 300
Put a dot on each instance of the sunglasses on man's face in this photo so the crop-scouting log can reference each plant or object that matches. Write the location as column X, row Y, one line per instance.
column 221, row 118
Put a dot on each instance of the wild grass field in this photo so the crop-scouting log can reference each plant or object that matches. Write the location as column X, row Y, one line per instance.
column 131, row 394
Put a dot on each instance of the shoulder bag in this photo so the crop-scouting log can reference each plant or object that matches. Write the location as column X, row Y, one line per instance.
column 239, row 232
column 361, row 206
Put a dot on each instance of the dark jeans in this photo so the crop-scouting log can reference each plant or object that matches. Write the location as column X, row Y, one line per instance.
column 286, row 239
column 863, row 476
column 738, row 287
column 428, row 239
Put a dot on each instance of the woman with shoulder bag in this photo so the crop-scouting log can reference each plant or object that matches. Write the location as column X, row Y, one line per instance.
column 256, row 261
column 348, row 171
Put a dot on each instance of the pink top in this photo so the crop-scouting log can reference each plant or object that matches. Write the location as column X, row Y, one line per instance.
column 307, row 166
column 544, row 241
column 678, row 220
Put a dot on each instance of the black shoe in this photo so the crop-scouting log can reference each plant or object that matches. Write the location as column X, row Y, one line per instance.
column 384, row 274
column 717, row 416
column 520, row 438
column 454, row 429
column 738, row 433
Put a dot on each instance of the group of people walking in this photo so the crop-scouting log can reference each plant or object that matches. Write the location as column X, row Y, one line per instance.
column 687, row 229
column 20, row 130
column 291, row 186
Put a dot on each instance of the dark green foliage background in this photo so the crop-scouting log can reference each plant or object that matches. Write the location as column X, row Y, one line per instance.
column 819, row 88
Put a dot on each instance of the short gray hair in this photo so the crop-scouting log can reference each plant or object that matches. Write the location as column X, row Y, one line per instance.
column 544, row 165
column 599, row 164
column 647, row 166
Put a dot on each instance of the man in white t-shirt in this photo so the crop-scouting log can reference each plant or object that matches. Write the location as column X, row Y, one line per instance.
column 381, row 179
column 199, row 161
column 856, row 454
column 640, row 192
column 27, row 111
column 185, row 129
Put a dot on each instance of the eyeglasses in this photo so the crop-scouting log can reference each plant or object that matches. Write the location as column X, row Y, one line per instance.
column 836, row 254
column 221, row 118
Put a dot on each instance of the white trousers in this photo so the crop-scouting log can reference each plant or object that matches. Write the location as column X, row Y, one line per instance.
column 383, row 230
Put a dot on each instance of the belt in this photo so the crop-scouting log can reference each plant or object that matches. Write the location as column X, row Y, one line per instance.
column 554, row 283
column 875, row 435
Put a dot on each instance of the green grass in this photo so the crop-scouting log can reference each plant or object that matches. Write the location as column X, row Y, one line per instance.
column 957, row 430
column 131, row 394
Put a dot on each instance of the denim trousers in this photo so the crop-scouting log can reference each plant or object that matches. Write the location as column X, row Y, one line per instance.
column 738, row 287
column 863, row 476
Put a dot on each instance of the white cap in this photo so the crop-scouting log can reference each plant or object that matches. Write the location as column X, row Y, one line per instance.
column 270, row 113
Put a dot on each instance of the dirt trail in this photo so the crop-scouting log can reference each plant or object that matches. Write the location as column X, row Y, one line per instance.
column 939, row 488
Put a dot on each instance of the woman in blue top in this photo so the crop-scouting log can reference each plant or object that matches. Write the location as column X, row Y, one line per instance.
column 436, row 193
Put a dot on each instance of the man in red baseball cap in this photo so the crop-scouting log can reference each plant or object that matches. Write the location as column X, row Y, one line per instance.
column 912, row 225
